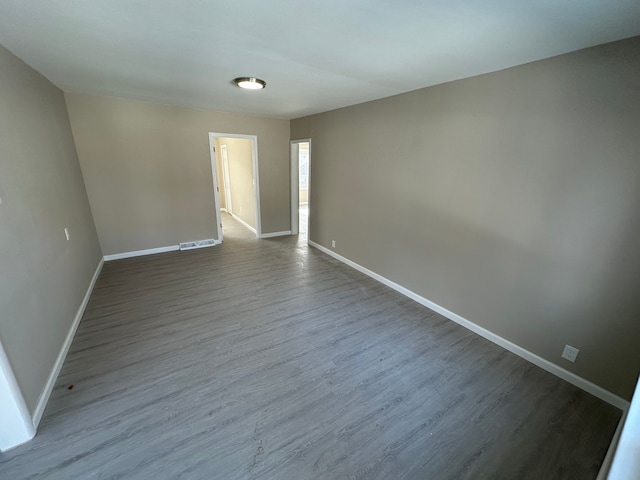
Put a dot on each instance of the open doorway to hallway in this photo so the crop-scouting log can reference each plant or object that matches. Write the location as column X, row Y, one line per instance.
column 300, row 188
column 235, row 164
column 303, row 190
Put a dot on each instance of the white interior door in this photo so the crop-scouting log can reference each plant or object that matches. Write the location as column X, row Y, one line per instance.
column 225, row 177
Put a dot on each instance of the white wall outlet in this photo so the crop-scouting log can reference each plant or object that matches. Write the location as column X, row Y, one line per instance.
column 66, row 233
column 570, row 353
column 333, row 244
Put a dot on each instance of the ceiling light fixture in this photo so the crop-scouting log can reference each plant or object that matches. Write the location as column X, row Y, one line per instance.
column 250, row 83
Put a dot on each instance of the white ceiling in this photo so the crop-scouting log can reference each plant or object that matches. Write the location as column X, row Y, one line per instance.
column 314, row 55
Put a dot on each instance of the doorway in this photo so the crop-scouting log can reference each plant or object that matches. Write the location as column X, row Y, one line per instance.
column 234, row 166
column 300, row 188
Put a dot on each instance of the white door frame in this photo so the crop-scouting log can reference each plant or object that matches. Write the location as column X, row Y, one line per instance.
column 216, row 189
column 256, row 176
column 15, row 420
column 294, row 153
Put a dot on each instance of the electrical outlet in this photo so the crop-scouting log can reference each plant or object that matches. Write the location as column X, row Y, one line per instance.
column 570, row 353
column 66, row 233
column 333, row 244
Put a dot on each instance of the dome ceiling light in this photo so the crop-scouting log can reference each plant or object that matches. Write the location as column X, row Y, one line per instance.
column 250, row 83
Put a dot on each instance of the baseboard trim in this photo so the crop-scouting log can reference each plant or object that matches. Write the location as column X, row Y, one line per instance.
column 222, row 209
column 55, row 371
column 139, row 253
column 550, row 367
column 276, row 234
column 245, row 224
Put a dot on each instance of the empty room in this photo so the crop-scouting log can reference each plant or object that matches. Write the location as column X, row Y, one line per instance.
column 319, row 240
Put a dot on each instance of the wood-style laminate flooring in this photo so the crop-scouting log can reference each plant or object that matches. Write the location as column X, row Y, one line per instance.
column 265, row 359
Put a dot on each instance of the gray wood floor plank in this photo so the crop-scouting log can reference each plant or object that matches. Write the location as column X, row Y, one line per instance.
column 262, row 359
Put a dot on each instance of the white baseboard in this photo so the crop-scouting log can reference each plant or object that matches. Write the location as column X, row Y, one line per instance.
column 139, row 253
column 222, row 209
column 276, row 234
column 550, row 367
column 55, row 371
column 245, row 224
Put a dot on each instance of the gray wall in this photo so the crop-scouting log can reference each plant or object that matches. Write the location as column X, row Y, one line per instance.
column 43, row 277
column 243, row 196
column 147, row 169
column 509, row 198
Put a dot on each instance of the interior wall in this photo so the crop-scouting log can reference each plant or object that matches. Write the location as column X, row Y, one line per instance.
column 509, row 198
column 43, row 277
column 241, row 175
column 147, row 169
